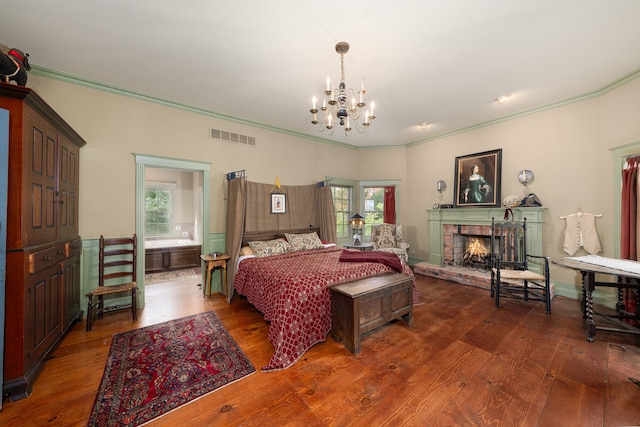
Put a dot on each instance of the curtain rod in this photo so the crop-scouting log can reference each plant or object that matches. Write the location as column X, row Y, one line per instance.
column 324, row 183
column 234, row 175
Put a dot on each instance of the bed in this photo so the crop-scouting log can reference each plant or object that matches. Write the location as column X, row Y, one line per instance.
column 291, row 289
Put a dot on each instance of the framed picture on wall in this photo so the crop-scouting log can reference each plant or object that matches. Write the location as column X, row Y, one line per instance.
column 477, row 179
column 278, row 203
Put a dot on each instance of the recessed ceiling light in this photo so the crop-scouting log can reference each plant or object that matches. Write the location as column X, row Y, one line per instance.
column 424, row 125
column 503, row 98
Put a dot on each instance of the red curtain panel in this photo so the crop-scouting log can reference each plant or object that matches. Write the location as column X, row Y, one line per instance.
column 628, row 229
column 390, row 205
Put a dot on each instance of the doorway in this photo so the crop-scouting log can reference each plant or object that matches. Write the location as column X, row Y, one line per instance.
column 200, row 173
column 173, row 218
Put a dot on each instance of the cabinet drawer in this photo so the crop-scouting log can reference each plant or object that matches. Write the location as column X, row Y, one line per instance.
column 72, row 248
column 45, row 258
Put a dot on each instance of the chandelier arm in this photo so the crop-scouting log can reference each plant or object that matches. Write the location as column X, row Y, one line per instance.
column 360, row 128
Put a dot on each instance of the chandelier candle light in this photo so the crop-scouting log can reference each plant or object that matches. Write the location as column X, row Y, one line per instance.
column 338, row 108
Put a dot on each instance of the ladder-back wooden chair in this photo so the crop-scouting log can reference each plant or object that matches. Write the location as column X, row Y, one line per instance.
column 510, row 273
column 116, row 275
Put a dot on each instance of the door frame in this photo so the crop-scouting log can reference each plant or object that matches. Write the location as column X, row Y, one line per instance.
column 142, row 162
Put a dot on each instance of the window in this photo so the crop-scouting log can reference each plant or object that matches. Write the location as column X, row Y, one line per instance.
column 342, row 196
column 373, row 207
column 363, row 197
column 158, row 208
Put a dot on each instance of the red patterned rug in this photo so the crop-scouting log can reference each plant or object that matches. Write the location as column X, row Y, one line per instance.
column 155, row 369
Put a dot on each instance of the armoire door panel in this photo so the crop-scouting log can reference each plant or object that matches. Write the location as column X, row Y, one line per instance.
column 37, row 153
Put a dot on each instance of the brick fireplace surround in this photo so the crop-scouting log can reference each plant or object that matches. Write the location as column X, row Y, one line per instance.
column 444, row 224
column 452, row 246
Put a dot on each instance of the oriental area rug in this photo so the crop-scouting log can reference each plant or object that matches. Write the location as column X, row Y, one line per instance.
column 156, row 369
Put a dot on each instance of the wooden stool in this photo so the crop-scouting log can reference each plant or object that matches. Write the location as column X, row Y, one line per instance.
column 215, row 262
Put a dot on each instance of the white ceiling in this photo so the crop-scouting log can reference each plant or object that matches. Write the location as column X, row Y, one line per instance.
column 441, row 62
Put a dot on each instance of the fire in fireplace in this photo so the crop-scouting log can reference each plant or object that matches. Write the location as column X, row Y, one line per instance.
column 472, row 251
column 476, row 256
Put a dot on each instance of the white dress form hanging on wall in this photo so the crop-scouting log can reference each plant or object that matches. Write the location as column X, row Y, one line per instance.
column 581, row 232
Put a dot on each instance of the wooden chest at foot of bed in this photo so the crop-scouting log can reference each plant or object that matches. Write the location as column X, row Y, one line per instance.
column 360, row 307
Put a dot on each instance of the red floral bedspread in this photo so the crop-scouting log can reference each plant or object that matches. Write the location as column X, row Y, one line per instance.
column 292, row 292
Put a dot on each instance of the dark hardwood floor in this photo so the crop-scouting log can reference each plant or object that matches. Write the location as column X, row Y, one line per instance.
column 462, row 363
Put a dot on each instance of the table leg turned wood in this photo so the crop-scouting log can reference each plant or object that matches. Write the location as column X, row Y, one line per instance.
column 588, row 287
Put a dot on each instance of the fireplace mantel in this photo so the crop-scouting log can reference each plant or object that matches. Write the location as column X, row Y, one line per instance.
column 481, row 216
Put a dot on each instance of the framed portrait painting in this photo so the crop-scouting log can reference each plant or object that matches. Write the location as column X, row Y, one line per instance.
column 477, row 179
column 278, row 203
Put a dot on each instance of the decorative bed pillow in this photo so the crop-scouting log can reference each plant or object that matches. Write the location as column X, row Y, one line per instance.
column 385, row 236
column 246, row 251
column 304, row 241
column 270, row 247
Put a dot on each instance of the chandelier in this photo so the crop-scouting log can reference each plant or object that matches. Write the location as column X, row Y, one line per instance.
column 340, row 105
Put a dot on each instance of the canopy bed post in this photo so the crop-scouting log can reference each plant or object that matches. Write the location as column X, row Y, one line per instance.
column 236, row 212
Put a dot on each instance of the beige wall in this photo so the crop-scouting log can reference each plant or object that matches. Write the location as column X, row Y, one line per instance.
column 567, row 147
column 386, row 165
column 116, row 126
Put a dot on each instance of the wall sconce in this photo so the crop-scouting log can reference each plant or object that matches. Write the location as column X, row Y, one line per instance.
column 441, row 186
column 357, row 222
column 525, row 177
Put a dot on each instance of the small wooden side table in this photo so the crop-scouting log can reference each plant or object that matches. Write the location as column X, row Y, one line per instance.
column 218, row 262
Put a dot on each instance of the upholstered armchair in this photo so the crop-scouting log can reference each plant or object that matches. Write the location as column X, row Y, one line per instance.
column 388, row 238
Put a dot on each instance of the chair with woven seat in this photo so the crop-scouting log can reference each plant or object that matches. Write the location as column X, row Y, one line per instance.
column 511, row 276
column 388, row 238
column 116, row 275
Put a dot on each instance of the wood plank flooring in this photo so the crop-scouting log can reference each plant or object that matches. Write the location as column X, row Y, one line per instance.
column 462, row 363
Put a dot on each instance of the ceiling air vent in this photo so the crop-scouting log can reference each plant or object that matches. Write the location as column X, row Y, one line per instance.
column 233, row 138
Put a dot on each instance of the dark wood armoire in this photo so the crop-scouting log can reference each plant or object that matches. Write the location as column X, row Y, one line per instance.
column 42, row 298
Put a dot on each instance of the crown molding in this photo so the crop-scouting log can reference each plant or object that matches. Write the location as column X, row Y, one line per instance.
column 82, row 81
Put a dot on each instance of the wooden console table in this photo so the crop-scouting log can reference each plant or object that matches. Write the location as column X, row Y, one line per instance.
column 625, row 280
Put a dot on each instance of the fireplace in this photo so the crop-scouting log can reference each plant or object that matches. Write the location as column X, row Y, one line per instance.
column 444, row 224
column 448, row 229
